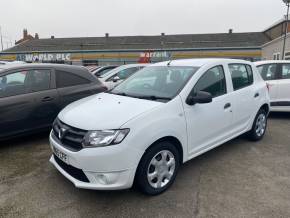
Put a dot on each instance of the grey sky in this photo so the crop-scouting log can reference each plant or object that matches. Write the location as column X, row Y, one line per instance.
column 72, row 18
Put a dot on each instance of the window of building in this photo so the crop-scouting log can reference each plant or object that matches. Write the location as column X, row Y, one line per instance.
column 276, row 56
column 242, row 75
column 66, row 79
column 213, row 81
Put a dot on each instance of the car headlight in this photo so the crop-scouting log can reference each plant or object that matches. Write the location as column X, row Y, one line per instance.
column 103, row 138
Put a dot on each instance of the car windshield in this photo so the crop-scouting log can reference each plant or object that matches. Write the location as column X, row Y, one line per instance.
column 160, row 83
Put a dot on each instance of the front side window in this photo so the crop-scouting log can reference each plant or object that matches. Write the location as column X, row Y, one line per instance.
column 156, row 82
column 13, row 84
column 285, row 71
column 268, row 71
column 213, row 81
column 242, row 75
column 25, row 81
column 66, row 79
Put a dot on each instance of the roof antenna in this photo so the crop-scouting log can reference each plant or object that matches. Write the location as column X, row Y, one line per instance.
column 168, row 64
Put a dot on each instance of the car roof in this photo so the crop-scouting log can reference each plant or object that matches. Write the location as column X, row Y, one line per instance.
column 199, row 62
column 272, row 62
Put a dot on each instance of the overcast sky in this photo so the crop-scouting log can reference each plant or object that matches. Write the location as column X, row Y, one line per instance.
column 73, row 18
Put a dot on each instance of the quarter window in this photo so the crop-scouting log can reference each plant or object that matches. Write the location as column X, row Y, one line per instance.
column 65, row 79
column 242, row 75
column 213, row 81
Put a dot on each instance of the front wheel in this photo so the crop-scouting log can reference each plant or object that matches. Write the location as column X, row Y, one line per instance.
column 259, row 126
column 158, row 168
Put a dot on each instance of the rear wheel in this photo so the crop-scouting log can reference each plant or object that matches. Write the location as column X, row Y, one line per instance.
column 259, row 126
column 158, row 168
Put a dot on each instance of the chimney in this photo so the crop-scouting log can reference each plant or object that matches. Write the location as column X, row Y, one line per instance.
column 162, row 34
column 25, row 33
column 107, row 35
column 36, row 36
column 230, row 31
column 52, row 37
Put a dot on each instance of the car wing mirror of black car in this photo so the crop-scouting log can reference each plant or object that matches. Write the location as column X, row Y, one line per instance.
column 199, row 97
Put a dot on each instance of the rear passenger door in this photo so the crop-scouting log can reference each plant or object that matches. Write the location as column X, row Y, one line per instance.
column 46, row 98
column 72, row 87
column 283, row 96
column 270, row 73
column 244, row 95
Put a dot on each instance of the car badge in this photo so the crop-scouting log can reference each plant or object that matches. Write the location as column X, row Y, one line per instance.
column 61, row 133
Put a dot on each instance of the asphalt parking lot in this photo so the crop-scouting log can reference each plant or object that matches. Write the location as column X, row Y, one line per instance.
column 238, row 179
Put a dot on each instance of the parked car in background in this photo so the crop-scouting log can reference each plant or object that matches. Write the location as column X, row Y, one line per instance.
column 3, row 62
column 103, row 70
column 277, row 75
column 32, row 95
column 92, row 68
column 157, row 119
column 12, row 62
column 114, row 77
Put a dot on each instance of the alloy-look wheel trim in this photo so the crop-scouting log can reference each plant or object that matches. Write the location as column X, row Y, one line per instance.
column 261, row 125
column 161, row 169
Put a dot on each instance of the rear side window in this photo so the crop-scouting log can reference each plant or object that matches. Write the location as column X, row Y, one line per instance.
column 285, row 71
column 38, row 80
column 242, row 75
column 66, row 79
column 213, row 81
column 268, row 71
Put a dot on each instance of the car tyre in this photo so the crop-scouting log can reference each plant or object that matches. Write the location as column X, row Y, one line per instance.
column 259, row 126
column 158, row 168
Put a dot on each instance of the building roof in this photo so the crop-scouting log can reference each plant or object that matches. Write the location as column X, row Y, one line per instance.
column 120, row 43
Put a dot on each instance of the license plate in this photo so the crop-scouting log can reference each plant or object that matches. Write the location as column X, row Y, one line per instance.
column 60, row 155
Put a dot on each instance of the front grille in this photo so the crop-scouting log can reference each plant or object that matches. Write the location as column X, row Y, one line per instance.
column 68, row 136
column 72, row 171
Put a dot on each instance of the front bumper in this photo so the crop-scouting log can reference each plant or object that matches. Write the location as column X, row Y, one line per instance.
column 106, row 168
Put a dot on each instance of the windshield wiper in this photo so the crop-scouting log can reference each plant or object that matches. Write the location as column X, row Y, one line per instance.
column 118, row 93
column 153, row 97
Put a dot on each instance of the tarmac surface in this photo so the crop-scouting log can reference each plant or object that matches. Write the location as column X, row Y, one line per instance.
column 237, row 179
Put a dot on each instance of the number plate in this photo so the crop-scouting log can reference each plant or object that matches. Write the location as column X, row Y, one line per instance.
column 60, row 155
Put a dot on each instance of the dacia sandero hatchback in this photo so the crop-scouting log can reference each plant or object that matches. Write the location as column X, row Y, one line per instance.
column 160, row 117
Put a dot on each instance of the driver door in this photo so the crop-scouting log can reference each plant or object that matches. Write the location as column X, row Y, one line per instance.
column 209, row 124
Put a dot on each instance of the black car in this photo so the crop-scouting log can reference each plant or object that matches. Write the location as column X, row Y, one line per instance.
column 31, row 95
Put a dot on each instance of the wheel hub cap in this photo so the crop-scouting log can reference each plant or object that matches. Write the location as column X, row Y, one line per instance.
column 261, row 125
column 161, row 169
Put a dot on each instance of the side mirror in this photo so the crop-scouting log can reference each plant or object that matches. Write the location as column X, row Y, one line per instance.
column 199, row 97
column 116, row 79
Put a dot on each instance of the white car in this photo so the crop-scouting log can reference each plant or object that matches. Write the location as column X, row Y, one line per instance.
column 277, row 76
column 162, row 116
column 114, row 77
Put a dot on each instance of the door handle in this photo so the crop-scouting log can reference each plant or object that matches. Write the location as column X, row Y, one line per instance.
column 227, row 105
column 46, row 99
column 257, row 95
